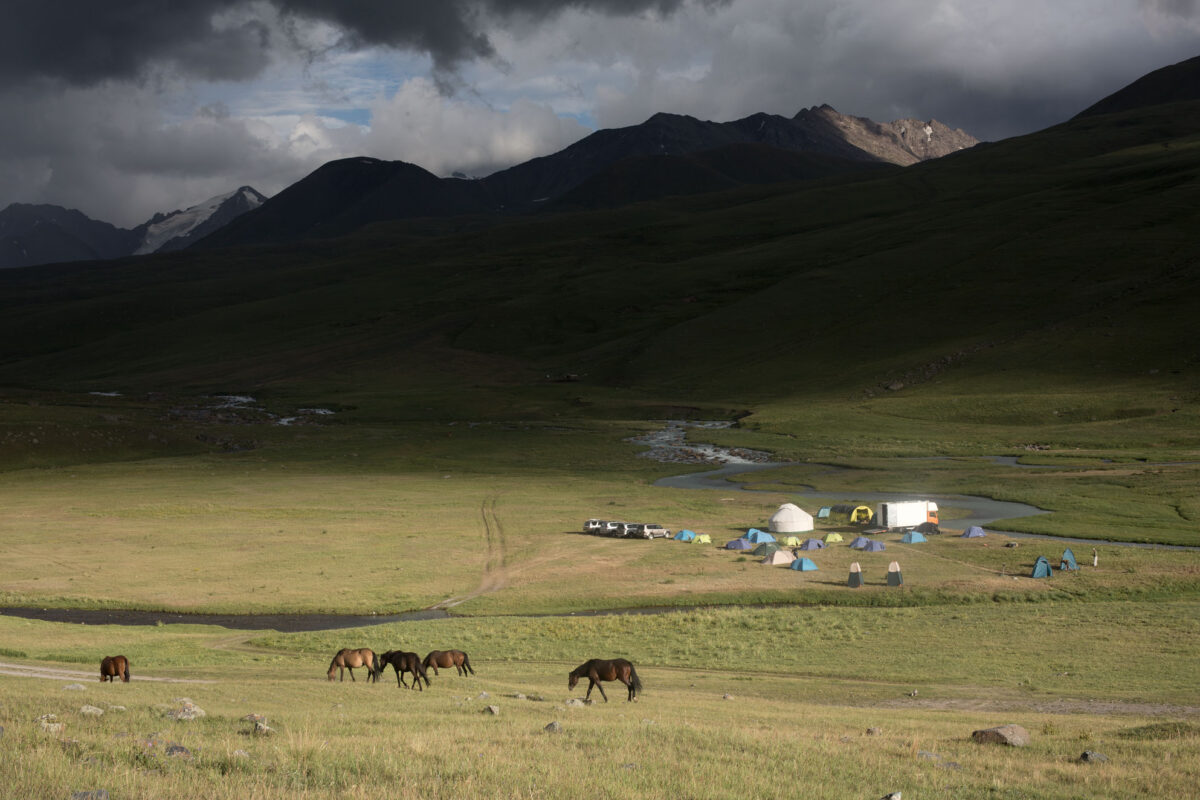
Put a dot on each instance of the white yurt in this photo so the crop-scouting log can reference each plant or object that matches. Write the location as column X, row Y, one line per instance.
column 790, row 518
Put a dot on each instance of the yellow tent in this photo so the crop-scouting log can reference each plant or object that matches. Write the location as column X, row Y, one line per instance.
column 702, row 538
column 792, row 541
column 832, row 537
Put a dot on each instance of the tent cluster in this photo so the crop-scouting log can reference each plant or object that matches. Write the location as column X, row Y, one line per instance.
column 1042, row 568
column 686, row 535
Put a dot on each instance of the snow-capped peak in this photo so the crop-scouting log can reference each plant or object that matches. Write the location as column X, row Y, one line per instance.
column 182, row 223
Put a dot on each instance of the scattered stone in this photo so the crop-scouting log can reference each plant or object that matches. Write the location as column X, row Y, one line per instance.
column 537, row 698
column 94, row 794
column 116, row 708
column 726, row 696
column 844, row 740
column 49, row 724
column 553, row 727
column 72, row 747
column 927, row 754
column 1092, row 757
column 574, row 702
column 178, row 751
column 187, row 710
column 91, row 711
column 73, row 687
column 892, row 796
column 493, row 710
column 517, row 696
column 1011, row 735
column 482, row 696
column 1012, row 544
column 874, row 731
column 254, row 718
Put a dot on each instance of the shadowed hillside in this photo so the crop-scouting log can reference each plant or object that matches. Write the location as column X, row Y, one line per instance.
column 1065, row 256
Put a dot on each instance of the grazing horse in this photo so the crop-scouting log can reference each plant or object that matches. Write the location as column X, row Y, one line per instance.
column 611, row 669
column 446, row 659
column 113, row 667
column 347, row 659
column 403, row 662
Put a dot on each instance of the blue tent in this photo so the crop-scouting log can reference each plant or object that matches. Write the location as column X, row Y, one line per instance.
column 685, row 536
column 1041, row 568
column 874, row 547
column 804, row 565
column 758, row 537
column 973, row 532
column 860, row 542
column 1068, row 560
column 824, row 512
column 739, row 544
column 912, row 537
column 812, row 544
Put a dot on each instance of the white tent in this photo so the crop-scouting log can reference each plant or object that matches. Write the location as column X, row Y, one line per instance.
column 791, row 519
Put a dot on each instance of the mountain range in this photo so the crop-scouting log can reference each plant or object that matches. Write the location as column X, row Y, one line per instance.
column 39, row 234
column 667, row 155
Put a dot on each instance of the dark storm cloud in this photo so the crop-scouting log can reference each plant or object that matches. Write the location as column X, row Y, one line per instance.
column 85, row 42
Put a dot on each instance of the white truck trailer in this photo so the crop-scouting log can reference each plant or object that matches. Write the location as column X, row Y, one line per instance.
column 905, row 515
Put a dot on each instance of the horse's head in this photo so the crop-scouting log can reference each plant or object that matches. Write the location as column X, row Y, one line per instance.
column 572, row 679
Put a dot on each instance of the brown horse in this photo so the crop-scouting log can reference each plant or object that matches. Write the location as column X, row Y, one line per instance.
column 347, row 659
column 403, row 662
column 446, row 659
column 612, row 669
column 113, row 667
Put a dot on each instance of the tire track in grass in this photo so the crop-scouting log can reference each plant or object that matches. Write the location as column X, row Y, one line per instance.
column 495, row 572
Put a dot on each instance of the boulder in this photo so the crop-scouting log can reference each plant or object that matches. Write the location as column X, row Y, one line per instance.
column 874, row 731
column 553, row 727
column 1092, row 757
column 1011, row 735
column 91, row 711
column 493, row 710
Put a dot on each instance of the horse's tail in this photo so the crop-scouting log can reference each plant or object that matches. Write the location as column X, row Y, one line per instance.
column 125, row 676
column 467, row 664
column 424, row 675
column 425, row 661
column 633, row 677
column 377, row 665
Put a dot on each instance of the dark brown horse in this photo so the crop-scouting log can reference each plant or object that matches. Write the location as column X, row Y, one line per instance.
column 610, row 669
column 113, row 667
column 403, row 662
column 446, row 659
column 352, row 659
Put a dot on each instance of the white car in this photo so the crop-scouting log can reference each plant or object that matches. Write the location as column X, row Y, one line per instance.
column 593, row 526
column 652, row 531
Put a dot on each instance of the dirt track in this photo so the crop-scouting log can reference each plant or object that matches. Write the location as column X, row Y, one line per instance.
column 58, row 674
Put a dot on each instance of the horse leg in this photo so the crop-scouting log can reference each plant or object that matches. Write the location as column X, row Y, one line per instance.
column 397, row 676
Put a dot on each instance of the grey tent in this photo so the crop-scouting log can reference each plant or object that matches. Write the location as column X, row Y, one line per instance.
column 973, row 532
column 874, row 547
column 856, row 579
column 739, row 544
column 1068, row 560
column 894, row 576
column 859, row 543
column 812, row 544
column 1041, row 568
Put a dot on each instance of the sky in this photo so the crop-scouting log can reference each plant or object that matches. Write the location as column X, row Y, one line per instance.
column 124, row 108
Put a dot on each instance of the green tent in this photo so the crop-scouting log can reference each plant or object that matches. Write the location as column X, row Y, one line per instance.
column 1041, row 568
column 1068, row 560
column 764, row 549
